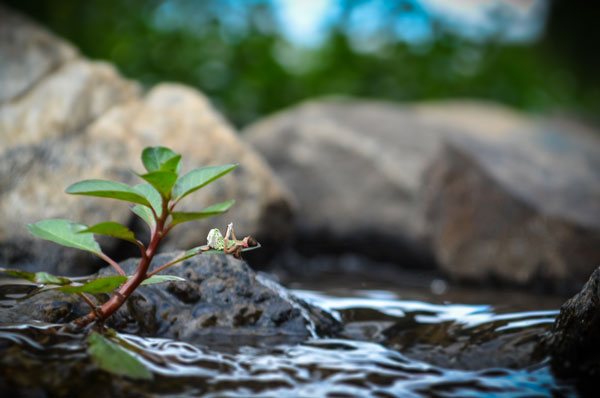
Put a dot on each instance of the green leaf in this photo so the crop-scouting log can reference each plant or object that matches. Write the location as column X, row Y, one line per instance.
column 113, row 229
column 245, row 249
column 145, row 214
column 37, row 277
column 100, row 285
column 193, row 251
column 162, row 181
column 180, row 217
column 107, row 189
column 115, row 359
column 152, row 196
column 198, row 178
column 160, row 158
column 161, row 278
column 66, row 233
column 173, row 164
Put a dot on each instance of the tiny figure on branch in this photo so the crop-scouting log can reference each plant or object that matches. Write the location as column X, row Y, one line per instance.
column 229, row 244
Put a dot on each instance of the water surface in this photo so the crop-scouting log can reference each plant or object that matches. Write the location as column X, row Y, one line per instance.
column 393, row 345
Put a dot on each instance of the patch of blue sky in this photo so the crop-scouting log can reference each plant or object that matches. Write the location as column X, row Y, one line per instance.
column 309, row 22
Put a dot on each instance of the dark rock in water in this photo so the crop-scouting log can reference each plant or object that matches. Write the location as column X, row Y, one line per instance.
column 574, row 343
column 453, row 345
column 221, row 301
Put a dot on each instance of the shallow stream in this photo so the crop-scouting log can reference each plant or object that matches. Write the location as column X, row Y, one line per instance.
column 412, row 343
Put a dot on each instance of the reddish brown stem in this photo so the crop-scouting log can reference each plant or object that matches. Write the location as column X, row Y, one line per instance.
column 121, row 295
column 112, row 263
column 88, row 301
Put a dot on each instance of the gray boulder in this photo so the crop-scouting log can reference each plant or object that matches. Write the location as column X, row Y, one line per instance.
column 354, row 173
column 483, row 228
column 27, row 54
column 372, row 177
column 74, row 119
column 222, row 300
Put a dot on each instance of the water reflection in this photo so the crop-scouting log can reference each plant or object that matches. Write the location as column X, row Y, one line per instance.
column 376, row 356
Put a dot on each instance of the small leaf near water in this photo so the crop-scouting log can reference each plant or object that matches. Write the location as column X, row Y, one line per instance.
column 66, row 233
column 115, row 359
column 198, row 178
column 107, row 189
column 161, row 278
column 37, row 277
column 162, row 181
column 180, row 217
column 112, row 229
column 100, row 285
column 160, row 158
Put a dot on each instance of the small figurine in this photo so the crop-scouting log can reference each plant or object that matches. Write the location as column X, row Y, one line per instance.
column 229, row 244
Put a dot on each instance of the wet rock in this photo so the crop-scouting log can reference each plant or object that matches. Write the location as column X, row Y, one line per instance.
column 452, row 345
column 222, row 300
column 573, row 343
column 81, row 120
column 371, row 177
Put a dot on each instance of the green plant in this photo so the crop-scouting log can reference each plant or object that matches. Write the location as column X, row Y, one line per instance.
column 154, row 202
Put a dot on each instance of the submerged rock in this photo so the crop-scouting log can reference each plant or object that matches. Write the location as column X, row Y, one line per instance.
column 222, row 301
column 453, row 345
column 574, row 343
column 66, row 119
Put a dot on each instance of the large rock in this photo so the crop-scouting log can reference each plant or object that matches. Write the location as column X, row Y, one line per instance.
column 221, row 300
column 81, row 120
column 573, row 344
column 372, row 175
column 180, row 118
column 27, row 54
column 483, row 228
column 354, row 173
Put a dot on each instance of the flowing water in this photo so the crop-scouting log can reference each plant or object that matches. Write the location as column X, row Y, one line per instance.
column 392, row 346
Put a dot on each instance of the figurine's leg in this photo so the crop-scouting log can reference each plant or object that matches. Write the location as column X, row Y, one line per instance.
column 226, row 239
column 229, row 230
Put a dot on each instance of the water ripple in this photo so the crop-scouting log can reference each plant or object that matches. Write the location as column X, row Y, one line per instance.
column 328, row 367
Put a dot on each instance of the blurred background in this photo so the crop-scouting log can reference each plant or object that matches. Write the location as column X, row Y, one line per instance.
column 416, row 179
column 254, row 57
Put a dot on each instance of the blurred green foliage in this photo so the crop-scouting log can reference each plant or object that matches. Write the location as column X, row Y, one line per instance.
column 241, row 61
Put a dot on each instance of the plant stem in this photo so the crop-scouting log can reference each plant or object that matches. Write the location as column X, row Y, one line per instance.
column 167, row 265
column 120, row 296
column 112, row 263
column 87, row 300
